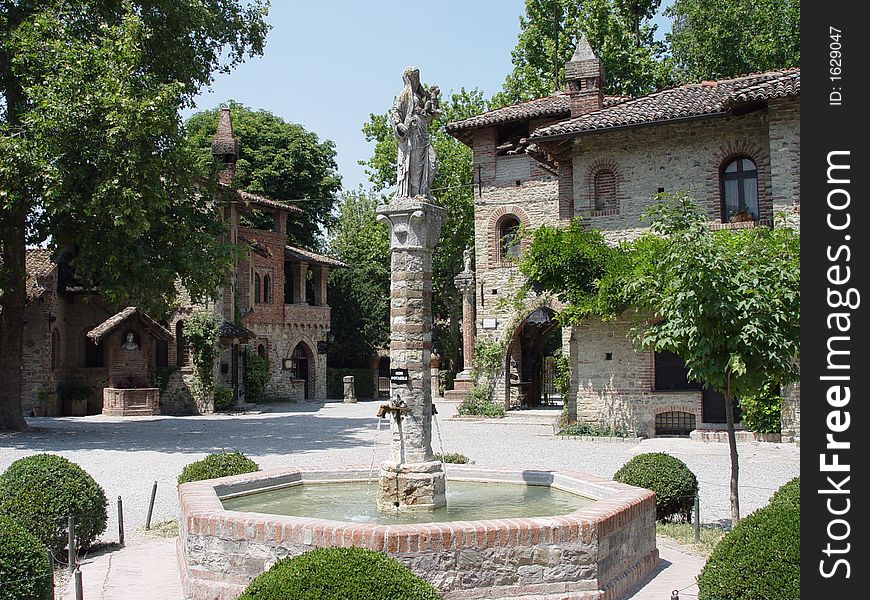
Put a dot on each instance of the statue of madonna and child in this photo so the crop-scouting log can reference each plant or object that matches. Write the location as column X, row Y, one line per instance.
column 413, row 111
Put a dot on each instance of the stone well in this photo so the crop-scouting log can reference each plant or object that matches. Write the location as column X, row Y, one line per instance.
column 595, row 553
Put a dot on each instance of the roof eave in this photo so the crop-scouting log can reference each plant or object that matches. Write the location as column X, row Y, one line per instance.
column 563, row 136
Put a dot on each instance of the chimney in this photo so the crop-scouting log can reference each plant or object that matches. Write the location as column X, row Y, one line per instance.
column 225, row 148
column 584, row 78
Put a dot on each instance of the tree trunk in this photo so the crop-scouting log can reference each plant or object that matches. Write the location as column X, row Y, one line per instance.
column 13, row 281
column 732, row 444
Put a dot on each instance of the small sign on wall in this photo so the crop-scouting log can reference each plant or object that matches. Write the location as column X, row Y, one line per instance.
column 399, row 375
column 490, row 323
column 287, row 364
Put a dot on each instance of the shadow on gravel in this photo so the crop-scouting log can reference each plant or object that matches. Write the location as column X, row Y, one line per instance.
column 278, row 431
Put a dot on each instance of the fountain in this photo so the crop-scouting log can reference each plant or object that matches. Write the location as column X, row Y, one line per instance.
column 473, row 532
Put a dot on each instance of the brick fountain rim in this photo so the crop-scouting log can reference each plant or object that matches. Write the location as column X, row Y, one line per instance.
column 616, row 533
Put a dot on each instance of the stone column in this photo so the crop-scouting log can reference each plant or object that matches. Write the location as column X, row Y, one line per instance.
column 411, row 479
column 464, row 382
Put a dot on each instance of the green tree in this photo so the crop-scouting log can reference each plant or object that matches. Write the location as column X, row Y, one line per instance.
column 620, row 31
column 724, row 38
column 453, row 188
column 91, row 152
column 727, row 302
column 279, row 160
column 360, row 294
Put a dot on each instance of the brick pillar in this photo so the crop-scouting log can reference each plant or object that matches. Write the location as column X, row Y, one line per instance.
column 465, row 283
column 411, row 479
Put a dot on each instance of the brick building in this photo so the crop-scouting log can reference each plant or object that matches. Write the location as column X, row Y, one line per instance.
column 732, row 144
column 83, row 356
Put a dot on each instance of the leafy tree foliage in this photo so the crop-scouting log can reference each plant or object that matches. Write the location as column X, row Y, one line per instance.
column 279, row 160
column 620, row 31
column 360, row 294
column 454, row 189
column 90, row 148
column 711, row 40
column 727, row 302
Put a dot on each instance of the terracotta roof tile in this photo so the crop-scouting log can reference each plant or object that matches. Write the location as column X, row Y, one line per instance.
column 229, row 329
column 691, row 100
column 557, row 105
column 255, row 200
column 109, row 325
column 310, row 257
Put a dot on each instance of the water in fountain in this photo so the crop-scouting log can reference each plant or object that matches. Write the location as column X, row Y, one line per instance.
column 438, row 431
column 374, row 455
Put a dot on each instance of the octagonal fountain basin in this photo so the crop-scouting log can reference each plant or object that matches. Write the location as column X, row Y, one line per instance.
column 504, row 533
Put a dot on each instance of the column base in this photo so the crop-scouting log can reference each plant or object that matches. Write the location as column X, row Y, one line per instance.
column 411, row 487
column 461, row 386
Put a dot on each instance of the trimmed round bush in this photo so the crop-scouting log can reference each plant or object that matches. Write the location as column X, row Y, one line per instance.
column 760, row 558
column 218, row 464
column 339, row 574
column 24, row 568
column 789, row 493
column 41, row 491
column 672, row 481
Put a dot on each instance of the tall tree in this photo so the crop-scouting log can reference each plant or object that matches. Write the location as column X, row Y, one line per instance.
column 727, row 302
column 453, row 188
column 360, row 294
column 280, row 160
column 724, row 38
column 620, row 31
column 92, row 154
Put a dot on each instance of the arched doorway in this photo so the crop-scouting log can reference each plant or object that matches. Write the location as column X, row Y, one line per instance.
column 530, row 362
column 302, row 367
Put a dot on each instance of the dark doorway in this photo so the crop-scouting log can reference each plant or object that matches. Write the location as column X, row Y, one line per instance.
column 714, row 407
column 531, row 369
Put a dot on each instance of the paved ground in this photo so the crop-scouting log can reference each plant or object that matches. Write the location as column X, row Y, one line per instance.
column 127, row 455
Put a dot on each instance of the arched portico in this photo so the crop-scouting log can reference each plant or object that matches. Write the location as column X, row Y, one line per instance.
column 529, row 361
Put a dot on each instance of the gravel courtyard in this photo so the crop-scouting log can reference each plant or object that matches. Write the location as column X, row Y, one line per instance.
column 127, row 455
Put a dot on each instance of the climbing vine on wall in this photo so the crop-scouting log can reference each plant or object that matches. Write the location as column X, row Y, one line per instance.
column 201, row 331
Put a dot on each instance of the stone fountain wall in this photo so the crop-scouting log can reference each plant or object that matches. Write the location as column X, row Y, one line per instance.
column 598, row 552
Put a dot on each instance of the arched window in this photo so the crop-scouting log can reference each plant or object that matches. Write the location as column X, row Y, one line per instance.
column 509, row 241
column 739, row 180
column 55, row 348
column 267, row 289
column 256, row 288
column 261, row 350
column 182, row 359
column 605, row 190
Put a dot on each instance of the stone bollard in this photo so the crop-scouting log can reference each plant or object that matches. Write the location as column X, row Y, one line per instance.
column 349, row 392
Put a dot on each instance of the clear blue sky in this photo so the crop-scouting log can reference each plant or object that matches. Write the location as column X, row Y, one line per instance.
column 328, row 64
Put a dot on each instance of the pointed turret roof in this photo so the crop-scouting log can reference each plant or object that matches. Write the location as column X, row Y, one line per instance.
column 583, row 51
column 224, row 142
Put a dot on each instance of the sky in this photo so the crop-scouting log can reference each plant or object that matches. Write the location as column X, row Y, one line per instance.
column 329, row 64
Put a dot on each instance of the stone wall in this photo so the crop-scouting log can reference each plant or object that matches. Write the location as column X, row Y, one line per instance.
column 281, row 340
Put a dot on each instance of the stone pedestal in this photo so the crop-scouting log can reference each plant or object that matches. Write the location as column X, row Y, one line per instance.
column 411, row 480
column 349, row 391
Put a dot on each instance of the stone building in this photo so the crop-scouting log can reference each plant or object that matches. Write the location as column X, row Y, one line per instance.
column 83, row 356
column 732, row 144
